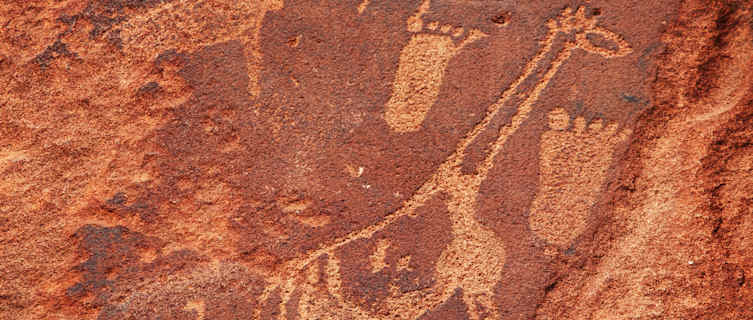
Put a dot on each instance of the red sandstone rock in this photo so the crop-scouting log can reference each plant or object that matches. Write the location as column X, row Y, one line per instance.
column 433, row 159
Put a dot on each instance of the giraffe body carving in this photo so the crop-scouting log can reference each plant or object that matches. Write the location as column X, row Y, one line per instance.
column 473, row 261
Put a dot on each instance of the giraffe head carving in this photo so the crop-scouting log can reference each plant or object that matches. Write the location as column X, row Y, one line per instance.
column 586, row 31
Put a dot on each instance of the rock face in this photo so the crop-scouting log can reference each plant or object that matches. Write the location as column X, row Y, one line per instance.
column 371, row 159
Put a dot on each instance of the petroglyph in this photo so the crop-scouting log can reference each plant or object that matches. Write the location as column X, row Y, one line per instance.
column 320, row 299
column 377, row 258
column 150, row 34
column 362, row 6
column 421, row 69
column 9, row 157
column 143, row 181
column 197, row 306
column 353, row 171
column 474, row 259
column 573, row 166
column 404, row 263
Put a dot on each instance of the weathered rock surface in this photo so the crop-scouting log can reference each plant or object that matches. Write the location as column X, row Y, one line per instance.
column 371, row 159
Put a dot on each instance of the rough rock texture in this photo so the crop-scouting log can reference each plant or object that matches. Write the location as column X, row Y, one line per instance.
column 373, row 159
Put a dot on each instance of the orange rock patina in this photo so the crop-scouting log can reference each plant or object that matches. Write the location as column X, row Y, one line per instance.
column 371, row 159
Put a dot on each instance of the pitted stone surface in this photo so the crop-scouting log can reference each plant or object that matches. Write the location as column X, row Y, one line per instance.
column 372, row 159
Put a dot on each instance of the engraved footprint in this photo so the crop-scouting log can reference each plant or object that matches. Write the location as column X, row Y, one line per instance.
column 573, row 167
column 421, row 69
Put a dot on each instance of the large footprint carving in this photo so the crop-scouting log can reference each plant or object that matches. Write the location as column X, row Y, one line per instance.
column 573, row 167
column 421, row 69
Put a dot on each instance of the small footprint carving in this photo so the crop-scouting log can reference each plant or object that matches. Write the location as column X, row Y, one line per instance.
column 421, row 69
column 573, row 167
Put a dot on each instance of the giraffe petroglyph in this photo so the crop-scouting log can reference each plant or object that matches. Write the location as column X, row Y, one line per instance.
column 474, row 259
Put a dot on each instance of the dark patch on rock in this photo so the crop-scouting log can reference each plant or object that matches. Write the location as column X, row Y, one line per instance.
column 232, row 295
column 104, row 15
column 118, row 280
column 69, row 20
column 117, row 199
column 102, row 24
column 150, row 87
column 55, row 50
column 170, row 57
column 452, row 309
column 631, row 99
column 271, row 309
column 110, row 249
column 142, row 207
column 114, row 39
column 707, row 77
column 119, row 5
column 501, row 18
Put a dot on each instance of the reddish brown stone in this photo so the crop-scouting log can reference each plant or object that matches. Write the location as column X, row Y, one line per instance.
column 371, row 159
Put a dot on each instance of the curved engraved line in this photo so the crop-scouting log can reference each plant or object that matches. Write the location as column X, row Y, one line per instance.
column 430, row 187
column 448, row 169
